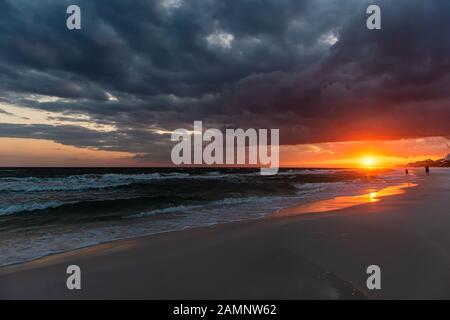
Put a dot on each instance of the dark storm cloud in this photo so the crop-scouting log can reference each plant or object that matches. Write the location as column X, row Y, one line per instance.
column 5, row 112
column 11, row 114
column 268, row 63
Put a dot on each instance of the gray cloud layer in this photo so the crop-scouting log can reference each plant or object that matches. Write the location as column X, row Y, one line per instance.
column 280, row 70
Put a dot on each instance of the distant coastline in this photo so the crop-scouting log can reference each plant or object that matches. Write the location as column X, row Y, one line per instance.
column 430, row 163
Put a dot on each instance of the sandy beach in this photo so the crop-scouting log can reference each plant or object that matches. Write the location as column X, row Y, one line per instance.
column 292, row 255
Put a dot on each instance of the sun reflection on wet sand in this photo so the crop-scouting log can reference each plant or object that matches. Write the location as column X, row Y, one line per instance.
column 344, row 201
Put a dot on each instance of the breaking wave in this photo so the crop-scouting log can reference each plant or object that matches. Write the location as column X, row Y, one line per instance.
column 87, row 182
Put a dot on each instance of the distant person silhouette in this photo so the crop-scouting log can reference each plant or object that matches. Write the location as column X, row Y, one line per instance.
column 406, row 171
column 427, row 170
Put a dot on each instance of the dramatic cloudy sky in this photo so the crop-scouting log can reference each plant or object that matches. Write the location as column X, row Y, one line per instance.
column 139, row 69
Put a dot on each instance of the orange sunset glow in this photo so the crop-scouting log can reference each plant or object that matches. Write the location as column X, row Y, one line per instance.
column 369, row 161
column 365, row 154
column 46, row 153
column 38, row 152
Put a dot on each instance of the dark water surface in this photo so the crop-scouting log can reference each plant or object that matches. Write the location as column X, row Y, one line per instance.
column 47, row 210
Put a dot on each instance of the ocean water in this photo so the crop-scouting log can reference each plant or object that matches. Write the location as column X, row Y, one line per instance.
column 50, row 210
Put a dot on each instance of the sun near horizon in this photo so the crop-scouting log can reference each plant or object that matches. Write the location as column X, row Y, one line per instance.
column 369, row 162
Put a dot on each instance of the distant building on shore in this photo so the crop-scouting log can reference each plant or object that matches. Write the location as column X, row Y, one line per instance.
column 444, row 162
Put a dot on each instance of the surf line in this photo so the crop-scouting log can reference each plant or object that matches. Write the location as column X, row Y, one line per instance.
column 206, row 147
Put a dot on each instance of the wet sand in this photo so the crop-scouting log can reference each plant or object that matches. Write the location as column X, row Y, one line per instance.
column 295, row 254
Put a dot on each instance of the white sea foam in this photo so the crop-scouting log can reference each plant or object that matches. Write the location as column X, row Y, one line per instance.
column 83, row 182
column 111, row 180
column 256, row 201
column 28, row 207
